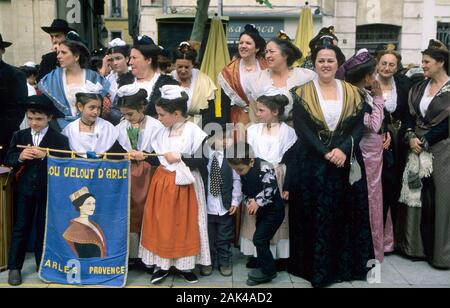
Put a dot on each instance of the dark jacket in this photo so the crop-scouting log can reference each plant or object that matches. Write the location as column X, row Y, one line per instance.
column 31, row 175
column 13, row 89
column 48, row 63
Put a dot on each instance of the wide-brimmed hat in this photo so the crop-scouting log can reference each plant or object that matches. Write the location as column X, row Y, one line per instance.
column 58, row 25
column 42, row 102
column 4, row 44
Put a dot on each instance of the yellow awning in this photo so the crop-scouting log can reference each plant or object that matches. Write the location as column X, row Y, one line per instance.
column 305, row 32
column 216, row 57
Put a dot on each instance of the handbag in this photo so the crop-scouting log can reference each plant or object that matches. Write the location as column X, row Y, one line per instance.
column 355, row 168
column 183, row 175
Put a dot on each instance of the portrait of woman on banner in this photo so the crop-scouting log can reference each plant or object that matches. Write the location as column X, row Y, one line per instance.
column 84, row 237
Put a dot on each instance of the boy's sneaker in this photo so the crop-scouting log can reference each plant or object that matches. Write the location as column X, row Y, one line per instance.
column 226, row 270
column 189, row 277
column 159, row 276
column 206, row 270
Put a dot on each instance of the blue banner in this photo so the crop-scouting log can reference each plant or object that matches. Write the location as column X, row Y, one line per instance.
column 86, row 238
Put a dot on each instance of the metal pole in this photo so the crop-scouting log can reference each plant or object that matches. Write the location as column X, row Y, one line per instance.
column 219, row 8
column 165, row 6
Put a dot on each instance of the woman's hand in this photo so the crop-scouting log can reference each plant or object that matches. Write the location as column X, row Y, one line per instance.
column 252, row 207
column 387, row 140
column 172, row 157
column 338, row 158
column 285, row 195
column 416, row 145
column 376, row 89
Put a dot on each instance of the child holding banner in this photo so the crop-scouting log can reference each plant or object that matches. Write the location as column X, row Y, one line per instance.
column 136, row 133
column 174, row 228
column 30, row 167
column 90, row 134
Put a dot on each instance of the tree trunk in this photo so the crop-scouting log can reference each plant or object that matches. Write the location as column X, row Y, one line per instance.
column 201, row 17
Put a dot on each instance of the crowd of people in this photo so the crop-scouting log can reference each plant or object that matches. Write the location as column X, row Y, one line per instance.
column 316, row 168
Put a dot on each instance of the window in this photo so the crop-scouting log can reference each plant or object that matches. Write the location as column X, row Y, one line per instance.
column 443, row 33
column 116, row 34
column 371, row 36
column 116, row 8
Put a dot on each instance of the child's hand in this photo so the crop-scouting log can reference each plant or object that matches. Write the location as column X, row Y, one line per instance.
column 27, row 154
column 137, row 155
column 252, row 207
column 233, row 209
column 285, row 195
column 39, row 154
column 172, row 157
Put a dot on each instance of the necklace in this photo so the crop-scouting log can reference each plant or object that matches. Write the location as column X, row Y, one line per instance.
column 89, row 126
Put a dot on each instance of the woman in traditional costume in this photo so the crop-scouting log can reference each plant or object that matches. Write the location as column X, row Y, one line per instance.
column 84, row 237
column 270, row 140
column 424, row 223
column 62, row 84
column 144, row 66
column 328, row 208
column 90, row 135
column 174, row 228
column 198, row 86
column 359, row 71
column 281, row 54
column 395, row 89
column 135, row 135
column 235, row 104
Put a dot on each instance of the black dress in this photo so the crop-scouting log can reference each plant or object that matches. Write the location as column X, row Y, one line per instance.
column 330, row 237
column 395, row 157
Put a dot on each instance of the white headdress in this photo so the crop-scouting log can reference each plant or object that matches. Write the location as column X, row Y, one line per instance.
column 128, row 90
column 117, row 42
column 270, row 90
column 91, row 88
column 171, row 92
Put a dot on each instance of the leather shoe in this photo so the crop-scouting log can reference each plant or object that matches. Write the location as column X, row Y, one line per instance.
column 258, row 276
column 14, row 278
column 226, row 270
column 206, row 270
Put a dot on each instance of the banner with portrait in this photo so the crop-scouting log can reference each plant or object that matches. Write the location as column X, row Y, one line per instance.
column 86, row 237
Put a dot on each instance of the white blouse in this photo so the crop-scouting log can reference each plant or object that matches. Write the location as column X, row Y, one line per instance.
column 146, row 134
column 99, row 141
column 188, row 142
column 71, row 91
column 149, row 85
column 331, row 109
column 271, row 148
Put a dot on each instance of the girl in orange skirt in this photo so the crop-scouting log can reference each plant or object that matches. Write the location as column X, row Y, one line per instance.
column 136, row 132
column 174, row 230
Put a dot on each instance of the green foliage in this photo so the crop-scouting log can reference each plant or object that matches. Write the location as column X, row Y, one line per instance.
column 265, row 2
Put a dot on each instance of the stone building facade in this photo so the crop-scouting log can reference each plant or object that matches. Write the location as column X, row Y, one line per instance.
column 359, row 23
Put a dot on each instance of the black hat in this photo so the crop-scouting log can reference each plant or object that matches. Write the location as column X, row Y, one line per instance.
column 81, row 44
column 251, row 31
column 4, row 44
column 144, row 40
column 58, row 25
column 42, row 102
column 325, row 34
